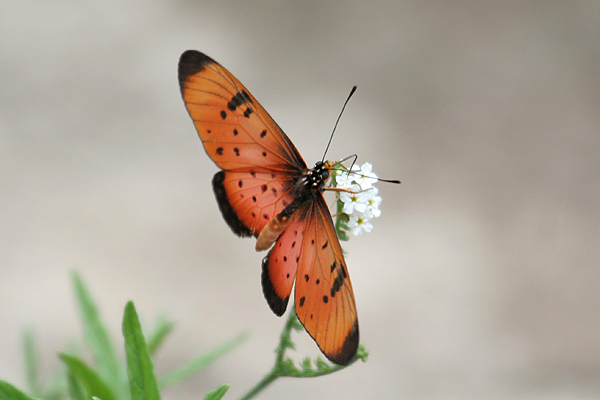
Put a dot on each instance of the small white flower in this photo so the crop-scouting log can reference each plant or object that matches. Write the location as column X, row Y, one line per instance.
column 358, row 225
column 365, row 178
column 355, row 200
column 373, row 202
column 345, row 179
column 359, row 200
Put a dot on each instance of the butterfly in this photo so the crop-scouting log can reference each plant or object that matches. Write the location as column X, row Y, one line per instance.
column 266, row 190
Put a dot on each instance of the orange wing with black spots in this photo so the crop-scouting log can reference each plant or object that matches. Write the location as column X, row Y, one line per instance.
column 236, row 131
column 265, row 189
column 310, row 251
column 249, row 200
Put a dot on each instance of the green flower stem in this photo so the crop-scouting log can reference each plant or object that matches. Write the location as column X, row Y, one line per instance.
column 266, row 381
column 285, row 366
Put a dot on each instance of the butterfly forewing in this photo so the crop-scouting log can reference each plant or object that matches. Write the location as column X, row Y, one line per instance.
column 235, row 130
column 324, row 298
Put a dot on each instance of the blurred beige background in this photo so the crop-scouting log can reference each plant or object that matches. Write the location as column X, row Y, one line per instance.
column 480, row 280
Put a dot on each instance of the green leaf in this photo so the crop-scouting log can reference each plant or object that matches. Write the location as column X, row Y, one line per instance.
column 96, row 334
column 362, row 353
column 218, row 393
column 76, row 389
column 140, row 370
column 31, row 362
column 163, row 328
column 92, row 382
column 57, row 386
column 306, row 365
column 200, row 362
column 9, row 392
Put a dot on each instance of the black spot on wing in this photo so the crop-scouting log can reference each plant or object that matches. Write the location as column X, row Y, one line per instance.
column 337, row 283
column 333, row 266
column 238, row 99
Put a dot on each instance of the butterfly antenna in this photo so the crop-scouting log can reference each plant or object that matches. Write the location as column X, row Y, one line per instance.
column 338, row 120
column 350, row 171
column 389, row 180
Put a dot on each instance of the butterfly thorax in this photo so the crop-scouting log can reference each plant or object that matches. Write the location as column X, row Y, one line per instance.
column 318, row 176
column 304, row 190
column 314, row 179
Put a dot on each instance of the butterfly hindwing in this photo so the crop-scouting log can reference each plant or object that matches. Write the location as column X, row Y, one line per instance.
column 248, row 200
column 280, row 265
column 234, row 128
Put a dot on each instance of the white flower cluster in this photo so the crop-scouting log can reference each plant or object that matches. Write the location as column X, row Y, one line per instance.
column 360, row 201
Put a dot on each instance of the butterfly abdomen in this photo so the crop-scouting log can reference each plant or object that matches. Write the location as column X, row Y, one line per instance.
column 276, row 226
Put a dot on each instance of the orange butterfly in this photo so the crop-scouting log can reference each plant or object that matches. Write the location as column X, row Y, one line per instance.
column 265, row 189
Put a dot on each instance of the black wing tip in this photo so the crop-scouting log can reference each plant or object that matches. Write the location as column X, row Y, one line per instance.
column 191, row 62
column 276, row 303
column 348, row 350
column 229, row 215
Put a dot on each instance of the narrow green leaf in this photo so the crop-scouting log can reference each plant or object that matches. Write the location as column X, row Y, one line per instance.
column 96, row 334
column 218, row 393
column 200, row 362
column 57, row 385
column 92, row 382
column 76, row 389
column 140, row 370
column 9, row 392
column 163, row 328
column 31, row 362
